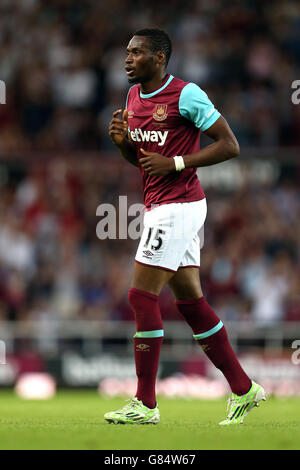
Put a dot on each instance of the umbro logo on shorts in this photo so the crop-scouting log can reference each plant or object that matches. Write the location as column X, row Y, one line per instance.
column 147, row 254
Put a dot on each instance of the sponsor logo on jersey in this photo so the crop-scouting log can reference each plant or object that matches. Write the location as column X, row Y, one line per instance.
column 160, row 113
column 130, row 114
column 143, row 347
column 138, row 135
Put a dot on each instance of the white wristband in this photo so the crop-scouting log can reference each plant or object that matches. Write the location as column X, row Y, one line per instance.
column 179, row 163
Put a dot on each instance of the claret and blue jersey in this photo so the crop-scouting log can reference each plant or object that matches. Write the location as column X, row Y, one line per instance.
column 168, row 121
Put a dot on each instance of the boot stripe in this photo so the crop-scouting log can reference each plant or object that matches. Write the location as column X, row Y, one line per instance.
column 242, row 410
column 235, row 412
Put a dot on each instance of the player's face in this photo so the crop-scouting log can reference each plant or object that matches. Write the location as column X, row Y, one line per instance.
column 141, row 62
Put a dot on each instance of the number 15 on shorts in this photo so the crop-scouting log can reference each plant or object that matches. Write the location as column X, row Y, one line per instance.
column 156, row 241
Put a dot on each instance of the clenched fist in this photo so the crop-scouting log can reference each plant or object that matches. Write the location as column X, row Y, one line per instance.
column 155, row 164
column 118, row 128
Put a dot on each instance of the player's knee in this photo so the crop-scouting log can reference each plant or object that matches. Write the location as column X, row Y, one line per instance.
column 146, row 309
column 135, row 298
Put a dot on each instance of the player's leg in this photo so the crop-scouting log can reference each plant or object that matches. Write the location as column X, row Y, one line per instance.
column 166, row 236
column 212, row 337
column 168, row 230
column 146, row 286
column 185, row 284
column 150, row 278
column 207, row 327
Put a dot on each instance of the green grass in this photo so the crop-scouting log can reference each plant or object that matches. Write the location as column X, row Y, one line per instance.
column 74, row 420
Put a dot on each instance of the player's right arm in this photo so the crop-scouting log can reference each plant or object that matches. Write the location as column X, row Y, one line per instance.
column 195, row 105
column 118, row 132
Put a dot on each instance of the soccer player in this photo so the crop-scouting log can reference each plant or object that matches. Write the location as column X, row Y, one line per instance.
column 159, row 133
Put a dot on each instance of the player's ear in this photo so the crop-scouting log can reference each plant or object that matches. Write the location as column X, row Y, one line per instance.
column 161, row 57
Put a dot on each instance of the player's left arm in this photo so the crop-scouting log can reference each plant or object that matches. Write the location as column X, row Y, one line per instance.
column 195, row 105
column 224, row 147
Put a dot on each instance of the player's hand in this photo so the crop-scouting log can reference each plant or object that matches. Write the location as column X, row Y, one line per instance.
column 155, row 164
column 118, row 128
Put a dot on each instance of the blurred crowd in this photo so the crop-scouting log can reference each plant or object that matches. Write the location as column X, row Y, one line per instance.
column 53, row 266
column 62, row 62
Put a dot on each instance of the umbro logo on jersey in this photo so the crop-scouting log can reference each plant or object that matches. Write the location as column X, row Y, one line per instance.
column 149, row 136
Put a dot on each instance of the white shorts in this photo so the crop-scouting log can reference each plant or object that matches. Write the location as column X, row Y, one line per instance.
column 173, row 235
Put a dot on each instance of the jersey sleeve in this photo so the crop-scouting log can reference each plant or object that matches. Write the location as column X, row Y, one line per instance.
column 195, row 105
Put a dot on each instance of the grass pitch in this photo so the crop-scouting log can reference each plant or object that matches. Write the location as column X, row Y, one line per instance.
column 74, row 420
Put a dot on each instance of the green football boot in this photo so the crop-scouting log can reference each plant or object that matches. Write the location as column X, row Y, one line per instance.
column 135, row 412
column 240, row 406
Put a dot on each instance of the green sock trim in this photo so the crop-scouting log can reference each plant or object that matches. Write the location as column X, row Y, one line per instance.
column 210, row 332
column 149, row 334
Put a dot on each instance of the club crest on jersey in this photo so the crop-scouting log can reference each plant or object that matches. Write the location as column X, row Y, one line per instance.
column 160, row 112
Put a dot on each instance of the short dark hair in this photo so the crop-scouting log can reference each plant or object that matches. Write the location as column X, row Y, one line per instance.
column 159, row 40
